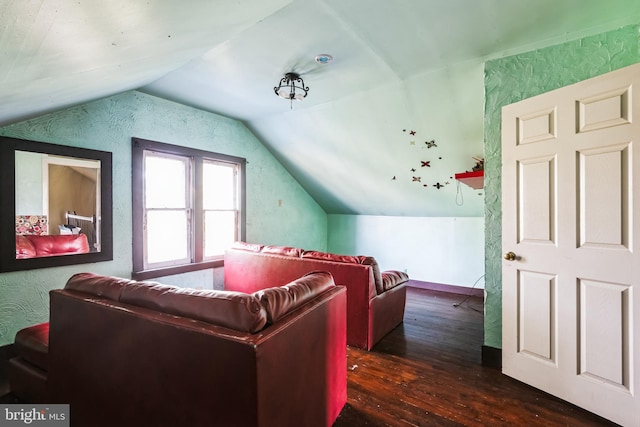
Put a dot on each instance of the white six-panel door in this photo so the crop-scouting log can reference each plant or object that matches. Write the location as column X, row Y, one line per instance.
column 571, row 218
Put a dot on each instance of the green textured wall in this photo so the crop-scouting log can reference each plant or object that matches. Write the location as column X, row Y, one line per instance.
column 511, row 79
column 279, row 211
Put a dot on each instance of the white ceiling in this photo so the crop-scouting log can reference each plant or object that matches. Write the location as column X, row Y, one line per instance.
column 402, row 66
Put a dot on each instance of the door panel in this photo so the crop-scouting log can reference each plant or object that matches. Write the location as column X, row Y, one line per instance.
column 536, row 205
column 603, row 179
column 604, row 110
column 536, row 315
column 536, row 127
column 604, row 346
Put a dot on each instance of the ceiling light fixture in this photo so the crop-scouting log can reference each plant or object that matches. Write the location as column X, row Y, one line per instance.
column 288, row 85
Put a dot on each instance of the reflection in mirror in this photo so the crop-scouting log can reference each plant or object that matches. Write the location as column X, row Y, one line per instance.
column 56, row 195
column 55, row 200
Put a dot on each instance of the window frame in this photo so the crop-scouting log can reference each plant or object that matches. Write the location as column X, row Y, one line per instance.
column 139, row 146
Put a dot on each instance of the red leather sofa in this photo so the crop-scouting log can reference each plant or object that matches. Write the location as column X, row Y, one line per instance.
column 31, row 245
column 375, row 300
column 125, row 353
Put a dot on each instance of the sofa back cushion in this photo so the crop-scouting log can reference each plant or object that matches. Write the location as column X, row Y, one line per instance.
column 59, row 244
column 280, row 301
column 233, row 310
column 249, row 247
column 324, row 256
column 282, row 250
column 24, row 247
column 94, row 284
column 377, row 277
column 350, row 259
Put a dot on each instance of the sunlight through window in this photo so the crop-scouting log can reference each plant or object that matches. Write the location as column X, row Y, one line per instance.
column 190, row 207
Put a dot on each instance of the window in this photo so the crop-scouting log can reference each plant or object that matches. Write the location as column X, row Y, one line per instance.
column 188, row 207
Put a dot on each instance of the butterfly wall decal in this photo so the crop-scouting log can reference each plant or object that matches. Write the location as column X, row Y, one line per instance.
column 431, row 144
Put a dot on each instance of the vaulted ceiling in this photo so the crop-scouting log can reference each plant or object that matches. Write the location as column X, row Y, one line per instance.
column 385, row 125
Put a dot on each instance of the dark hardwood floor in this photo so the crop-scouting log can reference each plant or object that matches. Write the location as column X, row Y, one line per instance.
column 428, row 372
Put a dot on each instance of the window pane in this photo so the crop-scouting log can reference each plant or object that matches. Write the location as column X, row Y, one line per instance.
column 167, row 236
column 165, row 182
column 219, row 232
column 219, row 191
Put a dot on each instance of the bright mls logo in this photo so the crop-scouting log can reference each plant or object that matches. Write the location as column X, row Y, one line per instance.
column 35, row 415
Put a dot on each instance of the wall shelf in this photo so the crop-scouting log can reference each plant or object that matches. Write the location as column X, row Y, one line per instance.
column 474, row 179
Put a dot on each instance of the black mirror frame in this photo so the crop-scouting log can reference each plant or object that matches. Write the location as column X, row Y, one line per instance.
column 8, row 261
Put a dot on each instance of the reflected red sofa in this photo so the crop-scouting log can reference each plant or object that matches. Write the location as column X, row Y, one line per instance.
column 375, row 300
column 31, row 245
column 126, row 353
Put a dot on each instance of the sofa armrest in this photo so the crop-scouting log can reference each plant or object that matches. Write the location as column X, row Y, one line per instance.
column 313, row 383
column 280, row 300
column 393, row 278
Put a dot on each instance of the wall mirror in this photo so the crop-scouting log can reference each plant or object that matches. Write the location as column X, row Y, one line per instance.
column 56, row 205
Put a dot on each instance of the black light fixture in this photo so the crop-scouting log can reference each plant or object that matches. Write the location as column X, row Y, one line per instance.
column 289, row 84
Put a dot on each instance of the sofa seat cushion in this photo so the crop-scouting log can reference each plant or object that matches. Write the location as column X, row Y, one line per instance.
column 393, row 278
column 280, row 301
column 32, row 344
column 233, row 310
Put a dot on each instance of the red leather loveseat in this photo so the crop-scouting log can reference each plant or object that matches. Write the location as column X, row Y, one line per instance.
column 31, row 245
column 126, row 353
column 375, row 300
